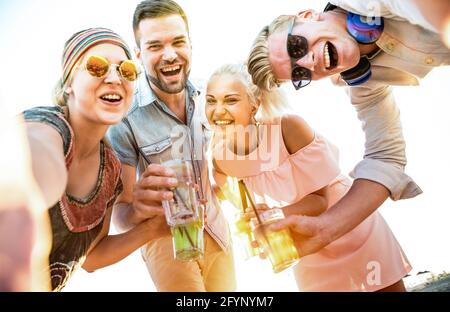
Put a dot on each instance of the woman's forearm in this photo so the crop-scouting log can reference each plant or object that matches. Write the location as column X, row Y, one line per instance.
column 16, row 254
column 47, row 162
column 113, row 248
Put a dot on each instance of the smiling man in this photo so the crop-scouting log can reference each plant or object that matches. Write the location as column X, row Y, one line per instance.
column 367, row 46
column 164, row 103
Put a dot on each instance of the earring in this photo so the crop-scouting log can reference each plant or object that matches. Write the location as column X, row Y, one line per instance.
column 255, row 122
column 254, row 111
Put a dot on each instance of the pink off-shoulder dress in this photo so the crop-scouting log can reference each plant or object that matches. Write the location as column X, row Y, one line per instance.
column 368, row 258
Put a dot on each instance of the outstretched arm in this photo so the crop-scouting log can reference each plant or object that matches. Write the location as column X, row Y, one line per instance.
column 142, row 200
column 24, row 224
column 109, row 249
column 48, row 161
column 379, row 175
column 311, row 234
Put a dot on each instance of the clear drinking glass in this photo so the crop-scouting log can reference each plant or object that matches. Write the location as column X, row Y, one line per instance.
column 278, row 245
column 184, row 214
column 246, row 236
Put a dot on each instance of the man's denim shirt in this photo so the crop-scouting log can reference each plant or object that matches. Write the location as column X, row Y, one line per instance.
column 149, row 132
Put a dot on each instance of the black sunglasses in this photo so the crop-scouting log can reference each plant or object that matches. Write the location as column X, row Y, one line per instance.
column 297, row 47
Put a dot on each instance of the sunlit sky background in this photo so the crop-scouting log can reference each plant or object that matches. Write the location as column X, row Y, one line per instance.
column 32, row 34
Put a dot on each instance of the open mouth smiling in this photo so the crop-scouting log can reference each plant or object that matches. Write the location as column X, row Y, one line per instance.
column 330, row 56
column 223, row 122
column 171, row 70
column 111, row 97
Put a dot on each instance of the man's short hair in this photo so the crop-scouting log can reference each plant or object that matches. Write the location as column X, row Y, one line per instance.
column 154, row 9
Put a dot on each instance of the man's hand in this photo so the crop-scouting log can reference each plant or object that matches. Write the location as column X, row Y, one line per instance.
column 149, row 192
column 308, row 233
column 250, row 213
column 142, row 200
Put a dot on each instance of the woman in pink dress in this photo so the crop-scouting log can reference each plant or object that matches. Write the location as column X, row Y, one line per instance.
column 281, row 157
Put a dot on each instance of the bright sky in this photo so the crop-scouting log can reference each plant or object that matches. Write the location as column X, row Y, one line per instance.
column 32, row 35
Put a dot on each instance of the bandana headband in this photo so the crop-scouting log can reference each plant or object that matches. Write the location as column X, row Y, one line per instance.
column 83, row 41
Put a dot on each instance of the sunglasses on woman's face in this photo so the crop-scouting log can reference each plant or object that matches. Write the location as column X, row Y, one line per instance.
column 297, row 47
column 98, row 66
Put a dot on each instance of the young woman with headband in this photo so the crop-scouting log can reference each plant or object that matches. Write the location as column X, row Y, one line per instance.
column 75, row 169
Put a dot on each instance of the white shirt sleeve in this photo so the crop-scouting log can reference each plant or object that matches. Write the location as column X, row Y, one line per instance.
column 384, row 156
column 392, row 9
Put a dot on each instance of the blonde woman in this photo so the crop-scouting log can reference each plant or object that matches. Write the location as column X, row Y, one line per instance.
column 283, row 158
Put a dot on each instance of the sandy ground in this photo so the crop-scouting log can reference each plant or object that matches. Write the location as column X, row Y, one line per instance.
column 431, row 283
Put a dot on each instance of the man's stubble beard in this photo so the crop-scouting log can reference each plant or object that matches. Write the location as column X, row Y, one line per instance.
column 171, row 89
